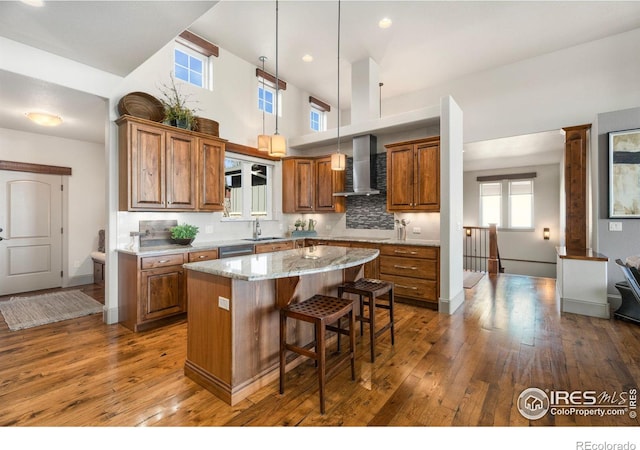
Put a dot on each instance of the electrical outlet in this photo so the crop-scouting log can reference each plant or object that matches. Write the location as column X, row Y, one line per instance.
column 76, row 264
column 280, row 227
column 223, row 303
column 615, row 226
column 208, row 229
column 416, row 230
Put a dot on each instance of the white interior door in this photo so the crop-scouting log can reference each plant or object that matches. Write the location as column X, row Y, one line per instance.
column 31, row 222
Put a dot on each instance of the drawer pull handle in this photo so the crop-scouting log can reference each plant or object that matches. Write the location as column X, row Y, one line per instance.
column 397, row 266
column 202, row 257
column 406, row 287
column 401, row 252
column 162, row 261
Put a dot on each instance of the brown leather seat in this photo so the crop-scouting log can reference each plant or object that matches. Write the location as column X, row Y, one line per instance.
column 369, row 291
column 322, row 311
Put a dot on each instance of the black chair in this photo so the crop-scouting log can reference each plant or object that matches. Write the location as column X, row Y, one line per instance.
column 630, row 292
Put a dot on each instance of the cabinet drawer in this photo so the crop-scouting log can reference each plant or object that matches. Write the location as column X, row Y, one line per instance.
column 273, row 247
column 413, row 287
column 151, row 262
column 204, row 255
column 410, row 251
column 408, row 267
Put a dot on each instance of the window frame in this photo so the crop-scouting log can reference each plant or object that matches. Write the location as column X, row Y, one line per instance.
column 246, row 163
column 207, row 66
column 322, row 118
column 505, row 203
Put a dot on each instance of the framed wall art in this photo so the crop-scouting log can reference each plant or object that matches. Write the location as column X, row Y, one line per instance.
column 624, row 174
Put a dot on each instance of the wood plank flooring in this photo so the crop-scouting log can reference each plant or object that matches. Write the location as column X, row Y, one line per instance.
column 467, row 369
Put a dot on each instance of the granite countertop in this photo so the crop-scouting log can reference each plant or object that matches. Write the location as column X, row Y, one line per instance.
column 287, row 263
column 201, row 246
column 378, row 240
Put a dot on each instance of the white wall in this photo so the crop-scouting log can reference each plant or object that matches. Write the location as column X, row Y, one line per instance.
column 560, row 89
column 524, row 245
column 86, row 200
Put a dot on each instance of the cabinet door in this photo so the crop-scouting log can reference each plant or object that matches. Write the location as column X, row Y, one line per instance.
column 400, row 173
column 147, row 167
column 181, row 171
column 427, row 176
column 162, row 293
column 211, row 175
column 304, row 187
column 327, row 182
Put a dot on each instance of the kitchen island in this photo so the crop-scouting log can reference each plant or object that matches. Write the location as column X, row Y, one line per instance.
column 233, row 319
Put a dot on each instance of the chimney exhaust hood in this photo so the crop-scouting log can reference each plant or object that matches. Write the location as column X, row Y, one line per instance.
column 364, row 174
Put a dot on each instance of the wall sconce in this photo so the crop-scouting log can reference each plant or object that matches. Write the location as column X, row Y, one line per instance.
column 468, row 232
column 545, row 234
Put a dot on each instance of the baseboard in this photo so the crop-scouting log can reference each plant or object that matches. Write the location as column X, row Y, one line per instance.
column 80, row 280
column 450, row 306
column 600, row 310
column 110, row 315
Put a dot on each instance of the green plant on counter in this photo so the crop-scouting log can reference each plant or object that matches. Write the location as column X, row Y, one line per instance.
column 184, row 231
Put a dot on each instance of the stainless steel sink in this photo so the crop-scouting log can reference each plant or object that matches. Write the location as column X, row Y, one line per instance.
column 261, row 239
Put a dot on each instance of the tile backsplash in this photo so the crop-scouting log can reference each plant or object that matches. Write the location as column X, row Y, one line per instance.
column 369, row 212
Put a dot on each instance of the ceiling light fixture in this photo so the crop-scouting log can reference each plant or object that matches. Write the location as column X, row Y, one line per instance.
column 307, row 58
column 264, row 140
column 385, row 23
column 35, row 3
column 44, row 119
column 278, row 142
column 338, row 159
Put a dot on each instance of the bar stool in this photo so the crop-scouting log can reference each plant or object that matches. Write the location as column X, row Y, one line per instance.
column 322, row 311
column 372, row 289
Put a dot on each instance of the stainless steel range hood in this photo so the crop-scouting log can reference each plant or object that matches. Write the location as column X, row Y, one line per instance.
column 364, row 174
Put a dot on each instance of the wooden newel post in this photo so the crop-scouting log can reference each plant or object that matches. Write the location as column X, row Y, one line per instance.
column 492, row 262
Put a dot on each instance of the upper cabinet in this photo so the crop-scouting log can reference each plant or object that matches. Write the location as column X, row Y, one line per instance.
column 413, row 175
column 164, row 168
column 308, row 185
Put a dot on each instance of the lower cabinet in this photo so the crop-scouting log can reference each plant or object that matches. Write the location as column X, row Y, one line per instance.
column 274, row 246
column 415, row 272
column 152, row 290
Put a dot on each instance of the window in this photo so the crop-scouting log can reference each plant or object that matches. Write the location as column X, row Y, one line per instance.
column 515, row 210
column 250, row 183
column 318, row 114
column 490, row 204
column 317, row 120
column 191, row 67
column 266, row 99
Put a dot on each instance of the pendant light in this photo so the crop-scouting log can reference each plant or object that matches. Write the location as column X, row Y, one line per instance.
column 338, row 159
column 264, row 140
column 278, row 142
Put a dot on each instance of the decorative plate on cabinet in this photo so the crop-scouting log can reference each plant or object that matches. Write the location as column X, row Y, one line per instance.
column 142, row 105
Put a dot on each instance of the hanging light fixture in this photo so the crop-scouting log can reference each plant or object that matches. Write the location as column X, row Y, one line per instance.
column 278, row 143
column 264, row 140
column 338, row 159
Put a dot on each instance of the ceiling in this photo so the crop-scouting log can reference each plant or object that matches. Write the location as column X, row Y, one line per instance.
column 428, row 43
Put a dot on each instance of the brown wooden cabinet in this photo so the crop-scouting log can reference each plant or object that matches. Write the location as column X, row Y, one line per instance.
column 164, row 168
column 152, row 289
column 415, row 271
column 413, row 175
column 309, row 184
column 274, row 246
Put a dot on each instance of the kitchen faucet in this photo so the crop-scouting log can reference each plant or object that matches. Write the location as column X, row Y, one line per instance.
column 256, row 229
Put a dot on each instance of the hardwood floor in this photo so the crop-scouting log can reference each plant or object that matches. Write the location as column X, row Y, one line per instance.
column 467, row 369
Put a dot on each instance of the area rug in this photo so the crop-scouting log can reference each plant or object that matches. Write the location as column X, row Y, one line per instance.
column 470, row 279
column 28, row 312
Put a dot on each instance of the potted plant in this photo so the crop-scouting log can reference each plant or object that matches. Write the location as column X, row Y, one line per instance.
column 176, row 111
column 184, row 234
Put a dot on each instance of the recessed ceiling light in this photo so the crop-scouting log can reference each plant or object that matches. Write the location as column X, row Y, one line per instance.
column 385, row 23
column 307, row 58
column 36, row 3
column 44, row 119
